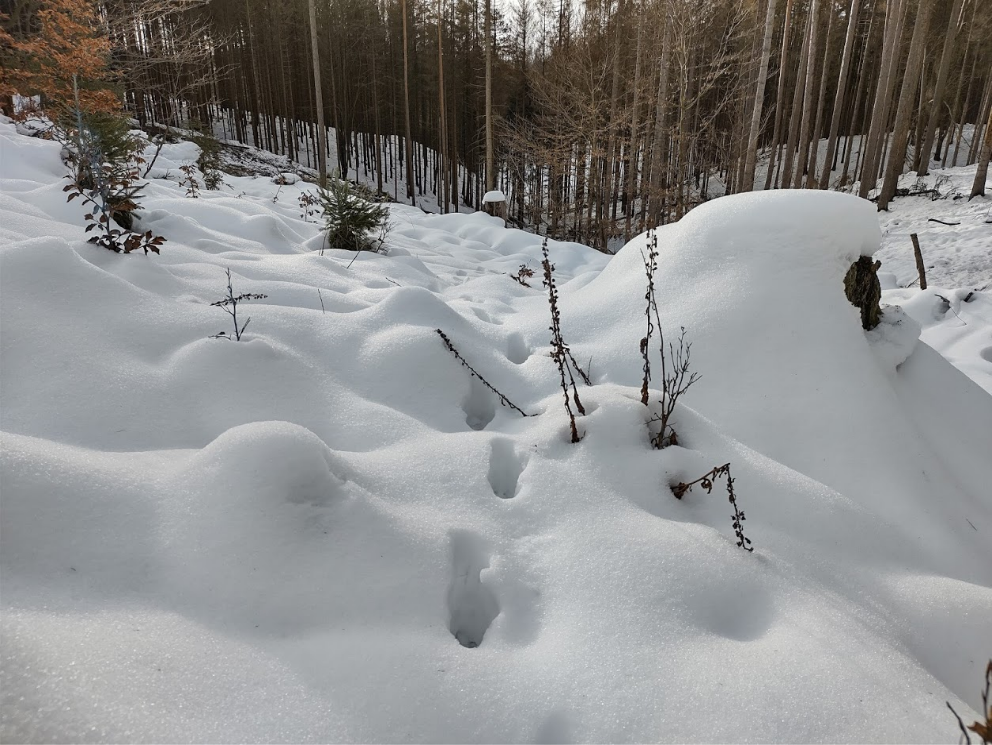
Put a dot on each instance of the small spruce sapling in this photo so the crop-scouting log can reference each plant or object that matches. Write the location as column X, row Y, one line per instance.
column 350, row 222
column 209, row 159
column 230, row 306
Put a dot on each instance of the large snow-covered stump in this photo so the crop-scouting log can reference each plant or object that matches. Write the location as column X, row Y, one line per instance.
column 864, row 290
column 494, row 203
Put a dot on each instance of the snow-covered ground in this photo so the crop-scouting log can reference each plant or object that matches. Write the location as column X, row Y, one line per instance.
column 330, row 531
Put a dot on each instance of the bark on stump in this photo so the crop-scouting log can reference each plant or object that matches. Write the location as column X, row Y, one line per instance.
column 864, row 290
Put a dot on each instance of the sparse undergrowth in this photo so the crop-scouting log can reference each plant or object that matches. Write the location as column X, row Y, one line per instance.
column 523, row 274
column 676, row 377
column 230, row 306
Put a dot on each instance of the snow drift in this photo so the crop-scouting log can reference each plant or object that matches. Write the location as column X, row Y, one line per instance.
column 330, row 531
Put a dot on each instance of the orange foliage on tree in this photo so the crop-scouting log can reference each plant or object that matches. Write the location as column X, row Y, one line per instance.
column 66, row 40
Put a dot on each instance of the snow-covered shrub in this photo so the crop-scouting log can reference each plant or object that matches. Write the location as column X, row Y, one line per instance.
column 350, row 222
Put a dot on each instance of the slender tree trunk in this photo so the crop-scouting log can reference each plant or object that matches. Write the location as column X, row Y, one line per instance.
column 982, row 172
column 900, row 135
column 938, row 92
column 845, row 63
column 811, row 60
column 406, row 107
column 878, row 130
column 794, row 113
column 814, row 153
column 779, row 95
column 319, row 101
column 751, row 156
column 490, row 154
column 631, row 160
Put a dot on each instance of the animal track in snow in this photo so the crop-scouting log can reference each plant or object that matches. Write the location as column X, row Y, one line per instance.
column 479, row 405
column 485, row 317
column 505, row 467
column 517, row 350
column 472, row 606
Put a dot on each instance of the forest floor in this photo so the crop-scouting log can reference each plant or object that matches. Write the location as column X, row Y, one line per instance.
column 332, row 531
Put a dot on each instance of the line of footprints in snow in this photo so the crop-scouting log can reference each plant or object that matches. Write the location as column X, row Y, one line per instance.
column 472, row 606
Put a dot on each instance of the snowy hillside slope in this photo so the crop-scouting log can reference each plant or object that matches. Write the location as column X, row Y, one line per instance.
column 330, row 532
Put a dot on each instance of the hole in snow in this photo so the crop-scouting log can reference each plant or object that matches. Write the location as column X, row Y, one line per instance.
column 472, row 606
column 505, row 467
column 479, row 405
column 517, row 350
column 986, row 354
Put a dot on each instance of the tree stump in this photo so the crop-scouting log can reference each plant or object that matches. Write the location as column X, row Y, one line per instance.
column 864, row 290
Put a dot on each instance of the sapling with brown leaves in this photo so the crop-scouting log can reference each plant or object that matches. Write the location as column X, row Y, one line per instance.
column 189, row 181
column 523, row 274
column 230, row 306
column 308, row 205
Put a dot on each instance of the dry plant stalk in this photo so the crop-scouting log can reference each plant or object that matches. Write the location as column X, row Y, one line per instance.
column 560, row 352
column 982, row 729
column 502, row 399
column 675, row 361
column 706, row 483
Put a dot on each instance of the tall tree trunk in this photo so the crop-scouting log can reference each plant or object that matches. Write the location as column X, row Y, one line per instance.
column 811, row 60
column 490, row 154
column 779, row 95
column 794, row 113
column 751, row 156
column 659, row 158
column 879, row 127
column 938, row 92
column 408, row 151
column 845, row 64
column 982, row 172
column 631, row 160
column 900, row 135
column 319, row 101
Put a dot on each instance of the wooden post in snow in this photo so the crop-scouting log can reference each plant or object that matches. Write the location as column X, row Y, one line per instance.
column 919, row 261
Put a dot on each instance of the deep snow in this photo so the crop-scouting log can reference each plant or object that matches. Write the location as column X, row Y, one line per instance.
column 329, row 531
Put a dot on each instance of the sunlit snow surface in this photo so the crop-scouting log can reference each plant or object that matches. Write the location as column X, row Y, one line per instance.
column 329, row 532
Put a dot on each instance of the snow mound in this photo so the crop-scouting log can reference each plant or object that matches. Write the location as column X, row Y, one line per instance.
column 333, row 531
